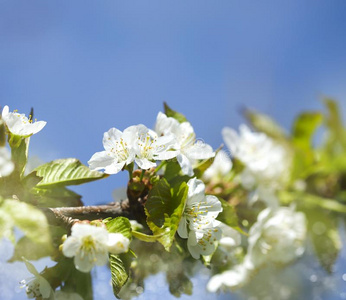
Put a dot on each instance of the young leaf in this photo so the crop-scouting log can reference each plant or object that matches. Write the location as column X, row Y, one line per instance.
column 173, row 114
column 56, row 197
column 31, row 221
column 228, row 215
column 62, row 172
column 304, row 127
column 164, row 208
column 120, row 269
column 120, row 225
column 337, row 132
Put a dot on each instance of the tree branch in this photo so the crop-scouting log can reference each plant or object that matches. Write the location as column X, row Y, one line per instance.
column 70, row 215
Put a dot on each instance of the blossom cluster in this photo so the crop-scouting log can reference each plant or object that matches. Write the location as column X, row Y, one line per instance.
column 144, row 146
column 279, row 234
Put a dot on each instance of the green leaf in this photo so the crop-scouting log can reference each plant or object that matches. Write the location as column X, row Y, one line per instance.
column 62, row 172
column 31, row 221
column 31, row 180
column 120, row 269
column 312, row 201
column 173, row 114
column 120, row 225
column 323, row 229
column 266, row 124
column 30, row 250
column 337, row 132
column 228, row 215
column 164, row 208
column 304, row 127
column 56, row 197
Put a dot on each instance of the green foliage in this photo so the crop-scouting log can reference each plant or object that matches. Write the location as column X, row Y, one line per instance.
column 120, row 225
column 164, row 208
column 336, row 141
column 120, row 269
column 62, row 172
column 303, row 130
column 304, row 127
column 56, row 197
column 27, row 218
column 323, row 230
column 228, row 215
column 173, row 114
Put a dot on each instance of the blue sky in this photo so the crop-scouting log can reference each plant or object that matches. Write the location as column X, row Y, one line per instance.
column 87, row 66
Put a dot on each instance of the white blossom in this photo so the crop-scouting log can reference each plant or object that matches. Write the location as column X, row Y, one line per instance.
column 266, row 162
column 38, row 286
column 189, row 149
column 136, row 144
column 19, row 124
column 118, row 151
column 89, row 245
column 220, row 167
column 6, row 164
column 232, row 279
column 150, row 147
column 198, row 222
column 277, row 236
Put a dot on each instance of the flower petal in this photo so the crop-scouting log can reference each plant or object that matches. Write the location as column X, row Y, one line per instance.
column 71, row 246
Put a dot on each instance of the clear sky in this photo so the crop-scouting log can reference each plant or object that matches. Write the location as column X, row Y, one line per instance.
column 87, row 66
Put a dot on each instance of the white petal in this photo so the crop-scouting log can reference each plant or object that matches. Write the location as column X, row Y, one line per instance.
column 110, row 137
column 45, row 288
column 196, row 188
column 117, row 243
column 71, row 246
column 83, row 264
column 185, row 165
column 101, row 160
column 166, row 155
column 199, row 150
column 144, row 163
column 5, row 111
column 182, row 228
column 101, row 258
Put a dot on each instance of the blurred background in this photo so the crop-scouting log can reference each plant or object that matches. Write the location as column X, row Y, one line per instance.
column 87, row 66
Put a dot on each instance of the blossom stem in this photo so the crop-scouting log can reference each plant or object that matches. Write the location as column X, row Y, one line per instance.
column 160, row 166
column 142, row 175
